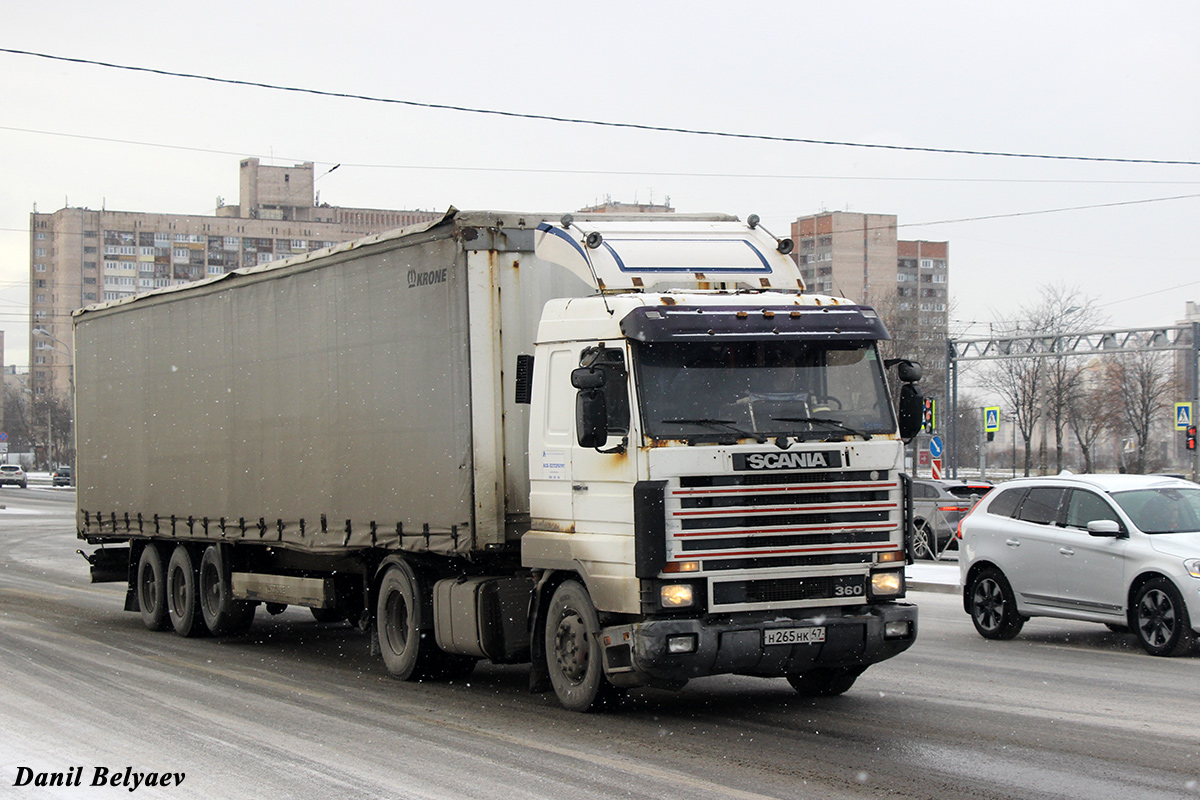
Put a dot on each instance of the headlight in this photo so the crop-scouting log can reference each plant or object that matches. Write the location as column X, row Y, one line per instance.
column 1192, row 565
column 887, row 584
column 676, row 595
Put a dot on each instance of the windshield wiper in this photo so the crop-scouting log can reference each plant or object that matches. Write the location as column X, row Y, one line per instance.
column 716, row 423
column 826, row 421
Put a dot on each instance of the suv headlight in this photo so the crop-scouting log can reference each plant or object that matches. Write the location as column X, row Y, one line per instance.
column 1192, row 565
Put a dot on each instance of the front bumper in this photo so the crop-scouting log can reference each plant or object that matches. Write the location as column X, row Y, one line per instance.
column 639, row 655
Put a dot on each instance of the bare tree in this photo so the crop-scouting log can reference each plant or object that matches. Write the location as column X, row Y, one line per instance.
column 1016, row 381
column 1141, row 383
column 1090, row 412
column 1059, row 311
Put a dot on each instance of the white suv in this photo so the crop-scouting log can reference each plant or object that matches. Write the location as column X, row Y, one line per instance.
column 12, row 473
column 1123, row 550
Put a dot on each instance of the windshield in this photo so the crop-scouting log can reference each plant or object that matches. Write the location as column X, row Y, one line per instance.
column 758, row 389
column 1169, row 510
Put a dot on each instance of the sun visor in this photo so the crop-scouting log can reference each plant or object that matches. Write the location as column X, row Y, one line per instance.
column 616, row 256
column 824, row 323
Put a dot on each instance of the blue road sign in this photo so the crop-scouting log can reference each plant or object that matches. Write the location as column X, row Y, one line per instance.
column 1183, row 416
column 991, row 419
column 935, row 447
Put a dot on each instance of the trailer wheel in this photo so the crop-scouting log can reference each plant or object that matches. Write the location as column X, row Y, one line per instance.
column 573, row 655
column 409, row 652
column 222, row 614
column 152, row 589
column 183, row 602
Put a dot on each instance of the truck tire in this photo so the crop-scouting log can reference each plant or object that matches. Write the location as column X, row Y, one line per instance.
column 222, row 614
column 183, row 601
column 825, row 681
column 406, row 642
column 152, row 589
column 573, row 655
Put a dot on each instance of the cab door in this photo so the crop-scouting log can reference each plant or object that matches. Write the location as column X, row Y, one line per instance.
column 603, row 476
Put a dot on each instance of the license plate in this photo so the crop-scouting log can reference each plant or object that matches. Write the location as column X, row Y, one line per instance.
column 810, row 635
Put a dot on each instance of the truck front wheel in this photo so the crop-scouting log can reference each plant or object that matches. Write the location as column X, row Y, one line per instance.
column 573, row 654
column 152, row 589
column 824, row 681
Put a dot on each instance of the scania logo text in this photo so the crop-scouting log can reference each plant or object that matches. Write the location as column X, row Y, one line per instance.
column 820, row 459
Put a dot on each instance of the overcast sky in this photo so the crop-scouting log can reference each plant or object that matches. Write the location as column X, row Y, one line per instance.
column 1092, row 79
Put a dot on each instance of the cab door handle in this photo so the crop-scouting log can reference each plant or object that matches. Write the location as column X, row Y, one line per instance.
column 1012, row 542
column 1066, row 551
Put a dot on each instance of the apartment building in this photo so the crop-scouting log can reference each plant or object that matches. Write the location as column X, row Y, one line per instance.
column 860, row 257
column 81, row 256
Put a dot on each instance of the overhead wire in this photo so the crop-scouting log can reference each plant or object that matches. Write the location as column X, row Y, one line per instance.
column 597, row 122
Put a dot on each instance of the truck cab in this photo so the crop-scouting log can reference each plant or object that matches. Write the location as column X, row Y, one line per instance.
column 715, row 468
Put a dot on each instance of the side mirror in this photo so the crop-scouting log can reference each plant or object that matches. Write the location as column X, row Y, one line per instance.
column 910, row 411
column 587, row 378
column 1103, row 527
column 908, row 372
column 591, row 416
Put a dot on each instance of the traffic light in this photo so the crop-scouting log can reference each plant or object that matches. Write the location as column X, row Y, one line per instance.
column 1191, row 437
column 929, row 417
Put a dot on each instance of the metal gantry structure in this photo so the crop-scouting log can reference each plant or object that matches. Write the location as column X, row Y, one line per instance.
column 1181, row 337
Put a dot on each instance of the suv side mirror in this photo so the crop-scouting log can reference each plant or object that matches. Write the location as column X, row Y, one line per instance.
column 1103, row 527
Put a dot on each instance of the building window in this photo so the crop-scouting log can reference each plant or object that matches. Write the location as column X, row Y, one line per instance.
column 39, row 267
column 40, row 251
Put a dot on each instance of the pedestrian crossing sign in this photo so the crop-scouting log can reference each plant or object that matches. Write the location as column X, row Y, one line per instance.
column 1183, row 416
column 991, row 419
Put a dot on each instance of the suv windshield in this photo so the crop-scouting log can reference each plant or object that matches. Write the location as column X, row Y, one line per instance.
column 724, row 390
column 1162, row 510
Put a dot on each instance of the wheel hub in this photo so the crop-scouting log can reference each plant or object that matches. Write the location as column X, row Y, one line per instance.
column 988, row 606
column 571, row 647
column 1156, row 617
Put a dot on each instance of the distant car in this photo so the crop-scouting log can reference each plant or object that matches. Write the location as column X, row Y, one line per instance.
column 937, row 508
column 61, row 477
column 13, row 474
column 1122, row 550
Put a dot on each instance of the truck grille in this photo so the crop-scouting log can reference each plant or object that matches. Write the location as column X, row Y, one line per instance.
column 771, row 516
column 747, row 523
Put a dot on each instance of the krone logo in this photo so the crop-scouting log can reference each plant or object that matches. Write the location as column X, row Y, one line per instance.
column 416, row 279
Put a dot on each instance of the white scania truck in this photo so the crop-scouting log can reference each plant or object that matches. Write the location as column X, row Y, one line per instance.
column 631, row 451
